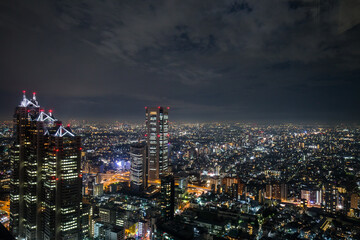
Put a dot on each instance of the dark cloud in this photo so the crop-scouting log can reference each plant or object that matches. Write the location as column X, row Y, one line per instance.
column 284, row 59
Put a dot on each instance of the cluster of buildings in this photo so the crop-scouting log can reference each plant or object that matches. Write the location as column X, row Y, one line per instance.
column 211, row 181
column 47, row 194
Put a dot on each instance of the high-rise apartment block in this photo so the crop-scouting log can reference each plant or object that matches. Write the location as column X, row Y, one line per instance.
column 45, row 198
column 157, row 139
column 276, row 191
column 330, row 197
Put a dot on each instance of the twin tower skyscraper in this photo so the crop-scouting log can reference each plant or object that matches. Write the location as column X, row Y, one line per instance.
column 157, row 140
column 46, row 182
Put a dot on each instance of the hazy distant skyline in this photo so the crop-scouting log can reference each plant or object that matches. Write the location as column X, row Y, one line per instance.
column 208, row 60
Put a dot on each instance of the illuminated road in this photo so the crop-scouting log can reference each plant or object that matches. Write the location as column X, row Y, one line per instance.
column 117, row 177
column 297, row 203
column 5, row 206
column 125, row 177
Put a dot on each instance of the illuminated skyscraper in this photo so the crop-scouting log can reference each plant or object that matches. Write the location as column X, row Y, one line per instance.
column 25, row 160
column 138, row 179
column 62, row 185
column 157, row 139
column 45, row 198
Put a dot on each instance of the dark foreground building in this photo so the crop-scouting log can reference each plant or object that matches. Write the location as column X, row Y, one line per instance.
column 167, row 197
column 45, row 198
column 138, row 176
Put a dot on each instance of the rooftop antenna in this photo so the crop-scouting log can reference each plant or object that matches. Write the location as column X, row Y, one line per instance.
column 24, row 96
column 34, row 96
column 50, row 113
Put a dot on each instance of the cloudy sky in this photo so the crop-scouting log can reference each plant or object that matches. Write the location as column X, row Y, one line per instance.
column 285, row 60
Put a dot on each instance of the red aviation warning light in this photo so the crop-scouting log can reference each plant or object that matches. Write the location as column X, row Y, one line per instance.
column 24, row 96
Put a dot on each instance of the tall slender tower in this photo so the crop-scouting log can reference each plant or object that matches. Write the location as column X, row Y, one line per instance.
column 38, row 135
column 157, row 139
column 23, row 194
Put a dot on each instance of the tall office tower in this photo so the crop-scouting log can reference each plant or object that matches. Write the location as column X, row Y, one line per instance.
column 157, row 139
column 62, row 185
column 23, row 160
column 167, row 197
column 138, row 179
column 45, row 160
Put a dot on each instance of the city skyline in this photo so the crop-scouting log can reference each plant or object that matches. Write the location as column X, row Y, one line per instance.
column 228, row 60
column 138, row 118
column 206, row 181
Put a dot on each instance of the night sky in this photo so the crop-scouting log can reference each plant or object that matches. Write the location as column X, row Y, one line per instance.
column 208, row 60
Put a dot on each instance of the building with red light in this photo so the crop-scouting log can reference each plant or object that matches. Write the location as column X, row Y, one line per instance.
column 45, row 198
column 157, row 139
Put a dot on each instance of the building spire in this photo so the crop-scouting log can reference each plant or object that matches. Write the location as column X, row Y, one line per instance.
column 26, row 102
